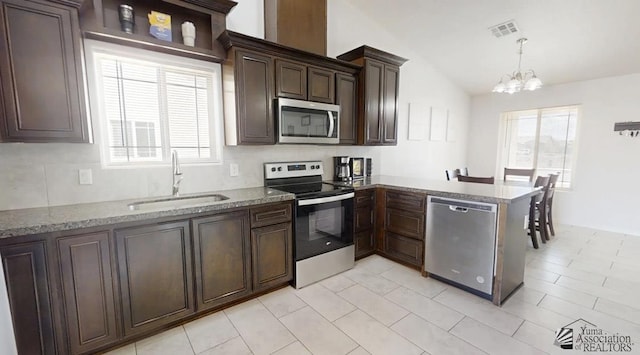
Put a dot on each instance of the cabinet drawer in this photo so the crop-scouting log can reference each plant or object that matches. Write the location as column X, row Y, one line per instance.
column 406, row 201
column 364, row 242
column 271, row 214
column 409, row 224
column 402, row 248
column 365, row 197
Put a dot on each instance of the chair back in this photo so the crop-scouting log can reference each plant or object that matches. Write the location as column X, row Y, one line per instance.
column 453, row 174
column 528, row 173
column 544, row 182
column 551, row 185
column 481, row 180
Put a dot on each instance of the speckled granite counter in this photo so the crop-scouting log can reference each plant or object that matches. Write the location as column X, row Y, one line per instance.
column 60, row 218
column 497, row 193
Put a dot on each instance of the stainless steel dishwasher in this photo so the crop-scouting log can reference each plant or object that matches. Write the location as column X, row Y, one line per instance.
column 461, row 243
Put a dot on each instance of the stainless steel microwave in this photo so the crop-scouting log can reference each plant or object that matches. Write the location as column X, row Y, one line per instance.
column 308, row 122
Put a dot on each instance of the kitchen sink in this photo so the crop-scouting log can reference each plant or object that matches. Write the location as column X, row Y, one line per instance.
column 177, row 201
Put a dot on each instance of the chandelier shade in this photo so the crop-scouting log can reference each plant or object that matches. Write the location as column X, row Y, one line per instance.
column 518, row 80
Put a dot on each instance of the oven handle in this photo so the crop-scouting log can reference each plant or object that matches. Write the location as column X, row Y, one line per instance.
column 317, row 201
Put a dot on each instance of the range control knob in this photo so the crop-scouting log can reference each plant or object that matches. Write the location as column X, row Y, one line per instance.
column 279, row 168
column 273, row 169
column 313, row 167
column 317, row 166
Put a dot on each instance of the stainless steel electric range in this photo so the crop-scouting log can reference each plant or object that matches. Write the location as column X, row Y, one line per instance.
column 323, row 224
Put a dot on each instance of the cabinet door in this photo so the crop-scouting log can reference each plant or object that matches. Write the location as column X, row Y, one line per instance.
column 373, row 91
column 222, row 256
column 390, row 106
column 85, row 269
column 402, row 248
column 254, row 85
column 156, row 284
column 321, row 85
column 363, row 218
column 41, row 80
column 25, row 273
column 272, row 255
column 291, row 80
column 346, row 97
column 364, row 242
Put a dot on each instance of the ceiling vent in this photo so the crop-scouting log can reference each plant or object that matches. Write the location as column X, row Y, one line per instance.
column 504, row 29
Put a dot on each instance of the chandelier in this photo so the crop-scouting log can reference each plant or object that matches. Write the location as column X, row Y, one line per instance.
column 519, row 80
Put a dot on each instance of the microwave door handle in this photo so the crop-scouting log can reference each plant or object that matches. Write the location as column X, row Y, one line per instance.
column 330, row 124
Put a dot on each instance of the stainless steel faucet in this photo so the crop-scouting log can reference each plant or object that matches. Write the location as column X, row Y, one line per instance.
column 177, row 174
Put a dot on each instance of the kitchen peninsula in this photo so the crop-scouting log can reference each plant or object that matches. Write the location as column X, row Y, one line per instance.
column 64, row 254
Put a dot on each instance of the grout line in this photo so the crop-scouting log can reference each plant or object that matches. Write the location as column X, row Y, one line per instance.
column 520, row 326
column 604, row 281
column 295, row 341
column 539, row 302
column 458, row 322
column 188, row 339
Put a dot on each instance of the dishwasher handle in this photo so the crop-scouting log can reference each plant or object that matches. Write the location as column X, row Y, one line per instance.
column 458, row 209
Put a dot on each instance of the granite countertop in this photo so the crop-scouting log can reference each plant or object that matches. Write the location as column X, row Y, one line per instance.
column 497, row 193
column 60, row 218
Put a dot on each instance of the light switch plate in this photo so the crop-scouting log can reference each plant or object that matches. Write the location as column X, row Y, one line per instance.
column 233, row 169
column 85, row 176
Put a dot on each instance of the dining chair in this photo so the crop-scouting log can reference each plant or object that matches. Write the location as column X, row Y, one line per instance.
column 481, row 180
column 528, row 173
column 534, row 225
column 548, row 205
column 451, row 174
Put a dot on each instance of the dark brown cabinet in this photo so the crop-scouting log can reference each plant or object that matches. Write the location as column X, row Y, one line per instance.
column 378, row 91
column 27, row 282
column 321, row 85
column 156, row 279
column 347, row 98
column 253, row 77
column 41, row 79
column 364, row 222
column 222, row 255
column 291, row 80
column 402, row 231
column 272, row 255
column 88, row 290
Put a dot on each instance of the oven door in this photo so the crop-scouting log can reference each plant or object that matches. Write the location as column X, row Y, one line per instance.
column 323, row 224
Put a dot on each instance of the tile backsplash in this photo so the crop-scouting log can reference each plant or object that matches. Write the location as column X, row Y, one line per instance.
column 39, row 175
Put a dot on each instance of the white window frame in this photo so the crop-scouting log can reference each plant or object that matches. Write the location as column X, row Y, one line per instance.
column 94, row 50
column 503, row 137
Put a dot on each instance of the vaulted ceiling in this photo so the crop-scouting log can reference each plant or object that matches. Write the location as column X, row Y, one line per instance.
column 569, row 40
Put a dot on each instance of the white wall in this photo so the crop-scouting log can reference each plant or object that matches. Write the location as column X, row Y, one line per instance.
column 36, row 175
column 7, row 340
column 349, row 28
column 604, row 194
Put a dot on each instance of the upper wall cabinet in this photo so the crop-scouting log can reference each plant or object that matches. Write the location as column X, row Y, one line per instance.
column 41, row 82
column 379, row 83
column 256, row 72
column 100, row 21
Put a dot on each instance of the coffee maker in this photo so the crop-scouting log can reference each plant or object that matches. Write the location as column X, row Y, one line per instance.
column 341, row 170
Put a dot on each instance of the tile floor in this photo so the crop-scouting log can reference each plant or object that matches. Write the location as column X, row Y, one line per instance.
column 381, row 307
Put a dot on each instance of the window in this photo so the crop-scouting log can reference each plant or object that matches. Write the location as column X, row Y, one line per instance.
column 149, row 104
column 544, row 139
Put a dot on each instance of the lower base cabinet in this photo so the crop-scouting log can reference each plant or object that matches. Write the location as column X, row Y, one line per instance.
column 272, row 253
column 26, row 276
column 364, row 243
column 222, row 255
column 156, row 279
column 88, row 290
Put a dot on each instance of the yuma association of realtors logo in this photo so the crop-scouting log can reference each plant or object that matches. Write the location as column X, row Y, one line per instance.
column 586, row 336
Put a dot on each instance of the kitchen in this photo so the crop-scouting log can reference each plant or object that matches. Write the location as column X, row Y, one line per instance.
column 41, row 175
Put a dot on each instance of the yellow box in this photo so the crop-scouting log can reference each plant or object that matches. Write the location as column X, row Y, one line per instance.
column 160, row 25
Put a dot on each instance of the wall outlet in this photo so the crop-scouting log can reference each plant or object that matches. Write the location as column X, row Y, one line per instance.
column 85, row 176
column 233, row 169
